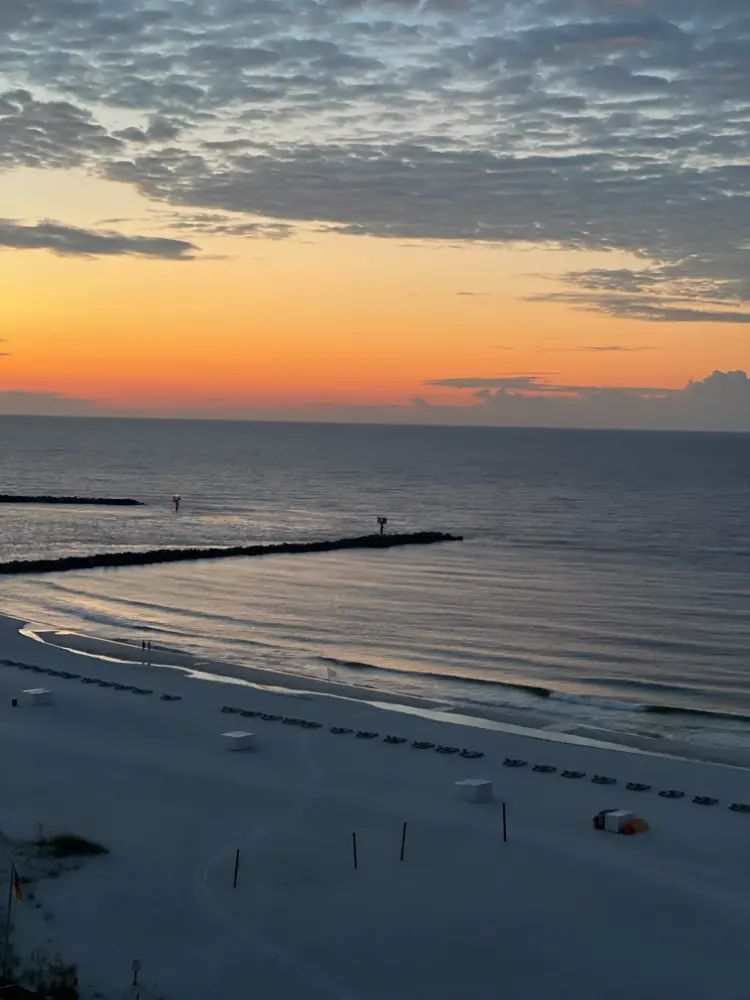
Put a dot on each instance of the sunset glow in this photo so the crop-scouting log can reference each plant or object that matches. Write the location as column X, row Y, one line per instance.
column 137, row 280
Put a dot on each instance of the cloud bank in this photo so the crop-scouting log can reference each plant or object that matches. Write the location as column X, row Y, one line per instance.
column 720, row 402
column 585, row 124
column 17, row 402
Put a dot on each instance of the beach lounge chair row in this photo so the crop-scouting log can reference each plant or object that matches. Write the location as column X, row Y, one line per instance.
column 360, row 734
column 69, row 676
column 632, row 786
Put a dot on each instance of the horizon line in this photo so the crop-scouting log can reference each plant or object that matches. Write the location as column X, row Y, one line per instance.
column 374, row 423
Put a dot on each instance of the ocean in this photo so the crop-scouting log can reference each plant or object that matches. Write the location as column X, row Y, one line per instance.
column 603, row 579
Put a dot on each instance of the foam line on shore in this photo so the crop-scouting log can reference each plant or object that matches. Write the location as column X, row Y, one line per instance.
column 125, row 652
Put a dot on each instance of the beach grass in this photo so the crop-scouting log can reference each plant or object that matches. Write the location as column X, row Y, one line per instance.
column 70, row 845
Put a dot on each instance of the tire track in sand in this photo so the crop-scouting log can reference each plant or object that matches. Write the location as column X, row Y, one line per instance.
column 246, row 931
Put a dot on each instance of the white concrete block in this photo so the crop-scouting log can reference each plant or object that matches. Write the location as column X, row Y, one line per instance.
column 238, row 740
column 475, row 790
column 614, row 821
column 37, row 696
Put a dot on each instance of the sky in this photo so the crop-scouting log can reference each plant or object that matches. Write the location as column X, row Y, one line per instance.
column 522, row 212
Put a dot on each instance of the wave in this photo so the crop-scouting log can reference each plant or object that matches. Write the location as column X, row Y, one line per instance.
column 595, row 701
column 533, row 689
column 650, row 549
column 707, row 713
column 573, row 698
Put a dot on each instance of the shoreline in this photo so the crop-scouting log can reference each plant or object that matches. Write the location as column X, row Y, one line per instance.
column 520, row 722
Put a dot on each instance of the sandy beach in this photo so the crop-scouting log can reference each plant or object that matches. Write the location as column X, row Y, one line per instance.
column 558, row 910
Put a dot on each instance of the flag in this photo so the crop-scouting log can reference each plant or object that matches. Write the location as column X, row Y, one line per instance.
column 17, row 891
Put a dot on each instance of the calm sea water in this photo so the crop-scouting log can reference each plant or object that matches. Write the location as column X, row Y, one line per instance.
column 609, row 568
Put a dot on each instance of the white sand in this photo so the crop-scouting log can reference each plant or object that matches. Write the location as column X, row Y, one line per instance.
column 559, row 911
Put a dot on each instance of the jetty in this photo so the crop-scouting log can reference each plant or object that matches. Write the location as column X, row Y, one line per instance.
column 150, row 557
column 80, row 501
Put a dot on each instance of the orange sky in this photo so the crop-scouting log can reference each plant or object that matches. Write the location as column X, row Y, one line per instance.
column 313, row 318
column 196, row 201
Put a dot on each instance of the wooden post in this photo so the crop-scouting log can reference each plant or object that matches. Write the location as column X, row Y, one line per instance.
column 505, row 826
column 236, row 868
column 354, row 849
column 403, row 841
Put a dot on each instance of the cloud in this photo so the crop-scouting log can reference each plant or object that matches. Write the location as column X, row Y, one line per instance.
column 219, row 224
column 610, row 348
column 70, row 240
column 594, row 349
column 160, row 129
column 18, row 402
column 603, row 125
column 35, row 133
column 652, row 309
column 661, row 293
column 719, row 402
column 670, row 314
column 416, row 191
column 520, row 382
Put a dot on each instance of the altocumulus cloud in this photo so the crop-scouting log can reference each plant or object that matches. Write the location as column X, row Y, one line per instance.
column 70, row 240
column 586, row 124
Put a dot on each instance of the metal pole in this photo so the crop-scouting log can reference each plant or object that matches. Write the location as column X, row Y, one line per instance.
column 403, row 842
column 505, row 826
column 7, row 922
column 354, row 848
column 236, row 868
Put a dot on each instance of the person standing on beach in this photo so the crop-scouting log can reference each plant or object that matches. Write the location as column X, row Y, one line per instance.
column 176, row 502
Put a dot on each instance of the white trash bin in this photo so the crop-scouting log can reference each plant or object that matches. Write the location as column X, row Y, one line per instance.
column 475, row 790
column 238, row 740
column 37, row 696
